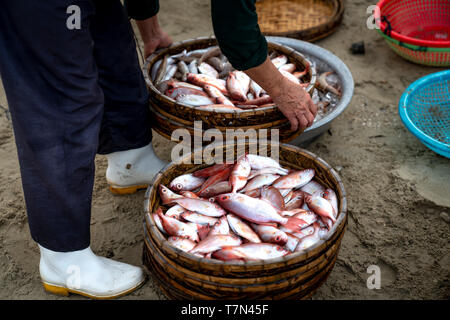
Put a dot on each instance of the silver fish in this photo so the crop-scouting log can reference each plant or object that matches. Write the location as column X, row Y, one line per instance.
column 211, row 52
column 242, row 229
column 296, row 179
column 312, row 187
column 205, row 68
column 194, row 100
column 184, row 70
column 161, row 70
column 186, row 182
column 170, row 72
column 193, row 67
column 260, row 162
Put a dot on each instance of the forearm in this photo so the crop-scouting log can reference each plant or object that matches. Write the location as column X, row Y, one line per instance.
column 267, row 76
column 148, row 28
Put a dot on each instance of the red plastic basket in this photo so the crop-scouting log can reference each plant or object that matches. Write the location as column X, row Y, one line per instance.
column 418, row 30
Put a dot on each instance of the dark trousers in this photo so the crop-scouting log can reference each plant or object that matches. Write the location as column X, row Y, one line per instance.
column 71, row 94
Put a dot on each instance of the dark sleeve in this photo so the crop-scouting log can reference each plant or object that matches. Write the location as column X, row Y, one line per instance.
column 235, row 24
column 141, row 9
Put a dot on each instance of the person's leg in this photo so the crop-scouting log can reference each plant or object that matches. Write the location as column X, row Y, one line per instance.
column 51, row 82
column 56, row 104
column 125, row 136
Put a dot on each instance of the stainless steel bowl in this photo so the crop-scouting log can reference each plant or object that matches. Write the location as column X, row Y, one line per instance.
column 342, row 72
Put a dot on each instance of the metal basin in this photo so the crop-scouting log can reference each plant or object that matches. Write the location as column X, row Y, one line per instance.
column 342, row 72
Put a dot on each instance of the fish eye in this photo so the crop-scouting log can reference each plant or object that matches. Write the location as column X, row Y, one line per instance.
column 277, row 238
column 223, row 198
column 179, row 186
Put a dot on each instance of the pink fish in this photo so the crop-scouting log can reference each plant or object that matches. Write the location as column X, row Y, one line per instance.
column 251, row 251
column 216, row 189
column 198, row 218
column 330, row 195
column 321, row 207
column 201, row 206
column 255, row 210
column 202, row 80
column 296, row 200
column 259, row 181
column 182, row 243
column 218, row 177
column 217, row 95
column 167, row 196
column 239, row 174
column 238, row 84
column 212, row 170
column 312, row 187
column 216, row 242
column 220, row 227
column 242, row 229
column 295, row 179
column 175, row 212
column 175, row 227
column 270, row 234
column 273, row 196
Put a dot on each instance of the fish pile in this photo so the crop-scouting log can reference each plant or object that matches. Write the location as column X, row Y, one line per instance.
column 206, row 80
column 250, row 209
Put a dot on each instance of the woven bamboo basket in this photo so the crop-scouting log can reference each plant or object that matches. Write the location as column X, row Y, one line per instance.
column 177, row 111
column 308, row 20
column 296, row 276
column 165, row 126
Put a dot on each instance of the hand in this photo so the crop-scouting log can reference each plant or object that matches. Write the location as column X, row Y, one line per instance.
column 160, row 40
column 292, row 100
column 152, row 35
column 295, row 103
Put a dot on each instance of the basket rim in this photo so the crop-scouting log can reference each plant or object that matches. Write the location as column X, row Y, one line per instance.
column 405, row 39
column 403, row 106
column 332, row 24
column 340, row 223
column 237, row 113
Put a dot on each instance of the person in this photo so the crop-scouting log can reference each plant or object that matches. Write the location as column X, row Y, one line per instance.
column 77, row 91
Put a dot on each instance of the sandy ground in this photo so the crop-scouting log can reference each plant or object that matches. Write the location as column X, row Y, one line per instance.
column 398, row 190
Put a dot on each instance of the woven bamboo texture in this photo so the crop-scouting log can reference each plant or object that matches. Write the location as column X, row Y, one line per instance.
column 165, row 126
column 296, row 276
column 177, row 111
column 308, row 20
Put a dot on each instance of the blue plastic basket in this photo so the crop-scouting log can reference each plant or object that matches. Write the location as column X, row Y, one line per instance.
column 425, row 110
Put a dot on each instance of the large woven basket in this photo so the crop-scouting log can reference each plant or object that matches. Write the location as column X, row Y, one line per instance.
column 181, row 112
column 308, row 20
column 165, row 126
column 183, row 276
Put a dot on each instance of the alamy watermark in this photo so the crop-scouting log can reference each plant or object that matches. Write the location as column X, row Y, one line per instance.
column 73, row 22
column 372, row 10
column 374, row 280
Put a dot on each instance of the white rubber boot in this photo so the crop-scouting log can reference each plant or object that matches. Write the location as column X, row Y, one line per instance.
column 131, row 170
column 82, row 272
